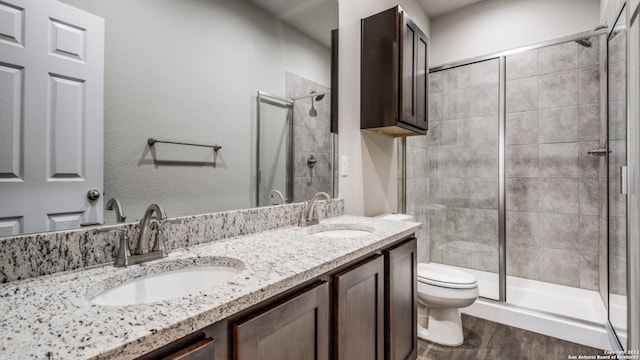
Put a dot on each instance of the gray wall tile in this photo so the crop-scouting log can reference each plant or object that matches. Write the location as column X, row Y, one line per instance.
column 589, row 197
column 483, row 193
column 453, row 163
column 589, row 165
column 560, row 267
column 436, row 84
column 521, row 161
column 559, row 161
column 589, row 232
column 523, row 261
column 522, row 228
column 456, row 222
column 455, row 192
column 558, row 231
column 589, row 122
column 419, row 190
column 617, row 275
column 522, row 95
column 522, row 194
column 521, row 128
column 417, row 163
column 483, row 162
column 589, row 85
column 617, row 83
column 559, row 196
column 558, row 125
column 521, row 65
column 589, row 271
column 589, row 56
column 483, row 100
column 456, row 78
column 484, row 73
column 457, row 104
column 483, row 224
column 556, row 58
column 436, row 107
column 454, row 134
column 617, row 120
column 483, row 131
column 558, row 90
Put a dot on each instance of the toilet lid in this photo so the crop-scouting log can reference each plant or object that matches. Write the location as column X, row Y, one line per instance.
column 438, row 275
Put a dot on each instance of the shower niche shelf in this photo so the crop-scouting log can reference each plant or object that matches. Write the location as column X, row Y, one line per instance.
column 394, row 68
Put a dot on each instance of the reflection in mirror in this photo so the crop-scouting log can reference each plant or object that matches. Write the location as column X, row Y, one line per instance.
column 617, row 161
column 188, row 71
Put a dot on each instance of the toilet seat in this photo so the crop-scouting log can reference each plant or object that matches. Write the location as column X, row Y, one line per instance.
column 437, row 275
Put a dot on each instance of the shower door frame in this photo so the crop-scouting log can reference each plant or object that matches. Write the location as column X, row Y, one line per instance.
column 501, row 55
column 288, row 104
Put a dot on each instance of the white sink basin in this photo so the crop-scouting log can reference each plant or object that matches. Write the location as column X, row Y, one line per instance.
column 337, row 231
column 167, row 285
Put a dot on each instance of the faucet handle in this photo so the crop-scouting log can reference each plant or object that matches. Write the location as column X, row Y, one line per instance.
column 122, row 258
column 159, row 243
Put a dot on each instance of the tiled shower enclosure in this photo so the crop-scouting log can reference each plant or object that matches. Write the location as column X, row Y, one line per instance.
column 551, row 119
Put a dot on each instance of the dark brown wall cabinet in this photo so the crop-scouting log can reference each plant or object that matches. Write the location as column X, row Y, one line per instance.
column 394, row 70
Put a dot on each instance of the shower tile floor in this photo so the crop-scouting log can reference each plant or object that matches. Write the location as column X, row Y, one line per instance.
column 487, row 340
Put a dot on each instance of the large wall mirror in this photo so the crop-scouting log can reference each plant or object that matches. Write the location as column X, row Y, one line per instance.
column 190, row 71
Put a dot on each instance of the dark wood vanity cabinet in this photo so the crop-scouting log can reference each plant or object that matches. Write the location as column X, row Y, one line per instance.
column 394, row 75
column 358, row 304
column 297, row 328
column 363, row 310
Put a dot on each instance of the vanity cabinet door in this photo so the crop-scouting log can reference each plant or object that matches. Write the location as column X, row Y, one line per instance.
column 297, row 328
column 358, row 312
column 401, row 301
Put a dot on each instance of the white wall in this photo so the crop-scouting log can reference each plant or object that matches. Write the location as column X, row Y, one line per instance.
column 494, row 25
column 371, row 187
column 189, row 70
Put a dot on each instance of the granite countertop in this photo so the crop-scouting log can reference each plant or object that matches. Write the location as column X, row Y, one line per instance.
column 50, row 317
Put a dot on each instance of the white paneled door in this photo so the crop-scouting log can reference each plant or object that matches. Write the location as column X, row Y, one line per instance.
column 51, row 116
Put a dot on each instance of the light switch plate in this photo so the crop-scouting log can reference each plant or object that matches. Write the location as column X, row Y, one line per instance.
column 344, row 166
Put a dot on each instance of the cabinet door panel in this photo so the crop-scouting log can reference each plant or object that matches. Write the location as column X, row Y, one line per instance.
column 408, row 72
column 359, row 309
column 400, row 304
column 422, row 82
column 295, row 329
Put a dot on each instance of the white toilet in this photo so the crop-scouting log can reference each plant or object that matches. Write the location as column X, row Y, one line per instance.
column 443, row 291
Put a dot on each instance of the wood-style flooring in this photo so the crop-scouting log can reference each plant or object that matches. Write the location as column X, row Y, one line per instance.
column 487, row 340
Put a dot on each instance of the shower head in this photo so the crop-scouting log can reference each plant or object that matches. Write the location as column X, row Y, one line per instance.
column 313, row 112
column 584, row 42
column 319, row 97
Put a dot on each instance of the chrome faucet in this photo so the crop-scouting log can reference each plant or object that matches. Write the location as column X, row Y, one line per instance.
column 114, row 204
column 279, row 195
column 145, row 227
column 311, row 217
column 142, row 252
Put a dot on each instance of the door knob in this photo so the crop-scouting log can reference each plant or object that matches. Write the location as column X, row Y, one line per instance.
column 93, row 194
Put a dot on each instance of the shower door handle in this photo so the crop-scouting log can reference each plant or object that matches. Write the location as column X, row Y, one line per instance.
column 597, row 152
column 624, row 180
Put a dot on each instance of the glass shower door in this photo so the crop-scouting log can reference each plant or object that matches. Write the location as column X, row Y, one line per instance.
column 463, row 184
column 275, row 144
column 616, row 175
column 552, row 184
